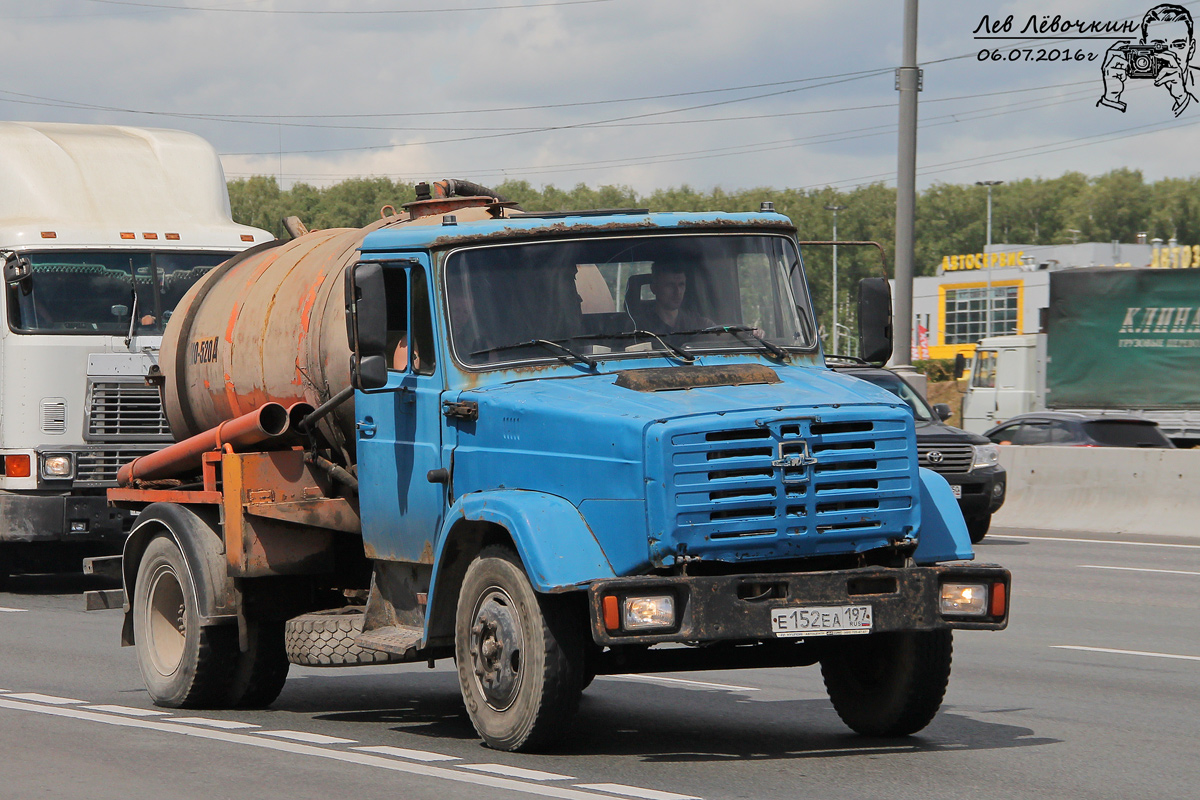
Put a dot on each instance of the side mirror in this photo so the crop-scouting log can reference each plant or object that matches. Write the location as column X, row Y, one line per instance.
column 874, row 320
column 366, row 326
column 18, row 271
column 960, row 365
column 942, row 410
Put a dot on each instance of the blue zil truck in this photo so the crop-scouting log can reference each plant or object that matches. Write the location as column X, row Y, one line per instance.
column 548, row 446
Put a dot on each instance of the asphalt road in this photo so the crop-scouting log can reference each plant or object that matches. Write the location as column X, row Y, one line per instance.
column 1093, row 692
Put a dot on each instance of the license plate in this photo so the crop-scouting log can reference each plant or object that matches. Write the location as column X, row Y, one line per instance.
column 954, row 487
column 821, row 621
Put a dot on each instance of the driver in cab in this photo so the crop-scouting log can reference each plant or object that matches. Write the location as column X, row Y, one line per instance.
column 666, row 314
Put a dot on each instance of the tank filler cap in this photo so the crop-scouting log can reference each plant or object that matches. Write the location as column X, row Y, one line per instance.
column 449, row 219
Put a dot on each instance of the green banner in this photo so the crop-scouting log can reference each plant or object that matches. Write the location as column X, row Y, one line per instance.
column 1124, row 338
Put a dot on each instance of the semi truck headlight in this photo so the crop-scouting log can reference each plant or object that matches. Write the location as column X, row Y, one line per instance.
column 657, row 611
column 965, row 599
column 57, row 466
column 986, row 455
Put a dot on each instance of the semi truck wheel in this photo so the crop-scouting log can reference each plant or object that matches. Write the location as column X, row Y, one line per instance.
column 520, row 655
column 183, row 665
column 888, row 684
column 329, row 639
column 978, row 527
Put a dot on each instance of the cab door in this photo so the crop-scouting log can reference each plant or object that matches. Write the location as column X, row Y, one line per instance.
column 399, row 427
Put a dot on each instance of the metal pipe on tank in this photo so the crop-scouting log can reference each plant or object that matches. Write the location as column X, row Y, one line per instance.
column 266, row 422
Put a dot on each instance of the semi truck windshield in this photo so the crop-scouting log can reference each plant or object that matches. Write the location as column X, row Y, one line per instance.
column 93, row 291
column 624, row 297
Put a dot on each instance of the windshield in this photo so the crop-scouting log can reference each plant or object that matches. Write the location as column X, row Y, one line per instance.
column 898, row 387
column 92, row 291
column 605, row 297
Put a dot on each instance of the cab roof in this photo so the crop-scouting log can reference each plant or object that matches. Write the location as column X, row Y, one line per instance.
column 460, row 228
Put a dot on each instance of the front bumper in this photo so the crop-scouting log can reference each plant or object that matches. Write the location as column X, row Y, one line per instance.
column 61, row 518
column 983, row 490
column 737, row 608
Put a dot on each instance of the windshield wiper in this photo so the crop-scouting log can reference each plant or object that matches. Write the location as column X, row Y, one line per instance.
column 678, row 352
column 739, row 330
column 563, row 352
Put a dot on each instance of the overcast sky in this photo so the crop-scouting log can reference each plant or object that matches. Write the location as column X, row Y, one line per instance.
column 644, row 93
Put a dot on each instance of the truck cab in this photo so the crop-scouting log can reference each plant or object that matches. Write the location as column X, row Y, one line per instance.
column 102, row 230
column 1007, row 378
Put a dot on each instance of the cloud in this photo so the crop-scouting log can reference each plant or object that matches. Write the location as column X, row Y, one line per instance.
column 263, row 87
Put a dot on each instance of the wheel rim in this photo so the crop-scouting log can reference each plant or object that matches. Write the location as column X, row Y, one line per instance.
column 166, row 620
column 497, row 648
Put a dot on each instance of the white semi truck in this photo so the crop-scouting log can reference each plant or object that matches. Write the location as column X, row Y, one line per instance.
column 102, row 230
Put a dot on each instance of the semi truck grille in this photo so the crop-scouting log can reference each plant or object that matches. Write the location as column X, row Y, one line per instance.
column 98, row 466
column 785, row 488
column 124, row 411
column 945, row 458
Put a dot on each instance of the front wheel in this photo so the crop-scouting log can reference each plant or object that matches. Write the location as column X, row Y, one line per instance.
column 520, row 655
column 977, row 527
column 183, row 665
column 888, row 684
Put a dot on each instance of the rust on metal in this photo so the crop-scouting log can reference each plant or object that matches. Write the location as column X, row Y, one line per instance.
column 667, row 379
column 266, row 422
column 334, row 513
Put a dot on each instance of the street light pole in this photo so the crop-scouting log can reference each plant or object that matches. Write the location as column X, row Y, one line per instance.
column 908, row 83
column 833, row 341
column 988, row 268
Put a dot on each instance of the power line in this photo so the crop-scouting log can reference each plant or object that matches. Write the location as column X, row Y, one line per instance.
column 355, row 12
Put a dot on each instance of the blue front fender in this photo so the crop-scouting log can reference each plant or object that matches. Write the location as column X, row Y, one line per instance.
column 943, row 535
column 556, row 545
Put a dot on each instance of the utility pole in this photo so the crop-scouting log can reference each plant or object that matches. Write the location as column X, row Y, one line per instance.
column 833, row 342
column 908, row 83
column 988, row 268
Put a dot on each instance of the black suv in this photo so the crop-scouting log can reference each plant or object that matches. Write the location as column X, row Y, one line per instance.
column 969, row 462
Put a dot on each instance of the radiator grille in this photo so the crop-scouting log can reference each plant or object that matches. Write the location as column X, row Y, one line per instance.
column 98, row 466
column 125, row 411
column 785, row 488
column 951, row 458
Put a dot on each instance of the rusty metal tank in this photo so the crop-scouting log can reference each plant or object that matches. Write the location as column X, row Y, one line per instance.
column 269, row 325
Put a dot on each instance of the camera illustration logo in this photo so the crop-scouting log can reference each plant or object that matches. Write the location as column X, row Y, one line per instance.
column 1163, row 55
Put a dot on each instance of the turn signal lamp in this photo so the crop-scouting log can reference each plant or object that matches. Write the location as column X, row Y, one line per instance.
column 965, row 599
column 17, row 466
column 999, row 600
column 247, row 237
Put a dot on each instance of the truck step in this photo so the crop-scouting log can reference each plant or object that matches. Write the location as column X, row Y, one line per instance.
column 392, row 639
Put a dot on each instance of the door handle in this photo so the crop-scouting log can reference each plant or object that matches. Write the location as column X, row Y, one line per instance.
column 366, row 428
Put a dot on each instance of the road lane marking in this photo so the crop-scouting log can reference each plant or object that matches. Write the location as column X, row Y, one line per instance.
column 132, row 712
column 1140, row 569
column 224, row 724
column 516, row 772
column 404, row 752
column 12, row 610
column 683, row 681
column 1124, row 652
column 305, row 736
column 33, row 697
column 1090, row 541
column 633, row 791
column 362, row 759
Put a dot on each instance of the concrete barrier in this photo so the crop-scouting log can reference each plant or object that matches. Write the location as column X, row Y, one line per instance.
column 1102, row 489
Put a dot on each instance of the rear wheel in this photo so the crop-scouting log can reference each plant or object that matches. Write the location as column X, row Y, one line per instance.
column 183, row 665
column 261, row 670
column 888, row 684
column 520, row 655
column 978, row 527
